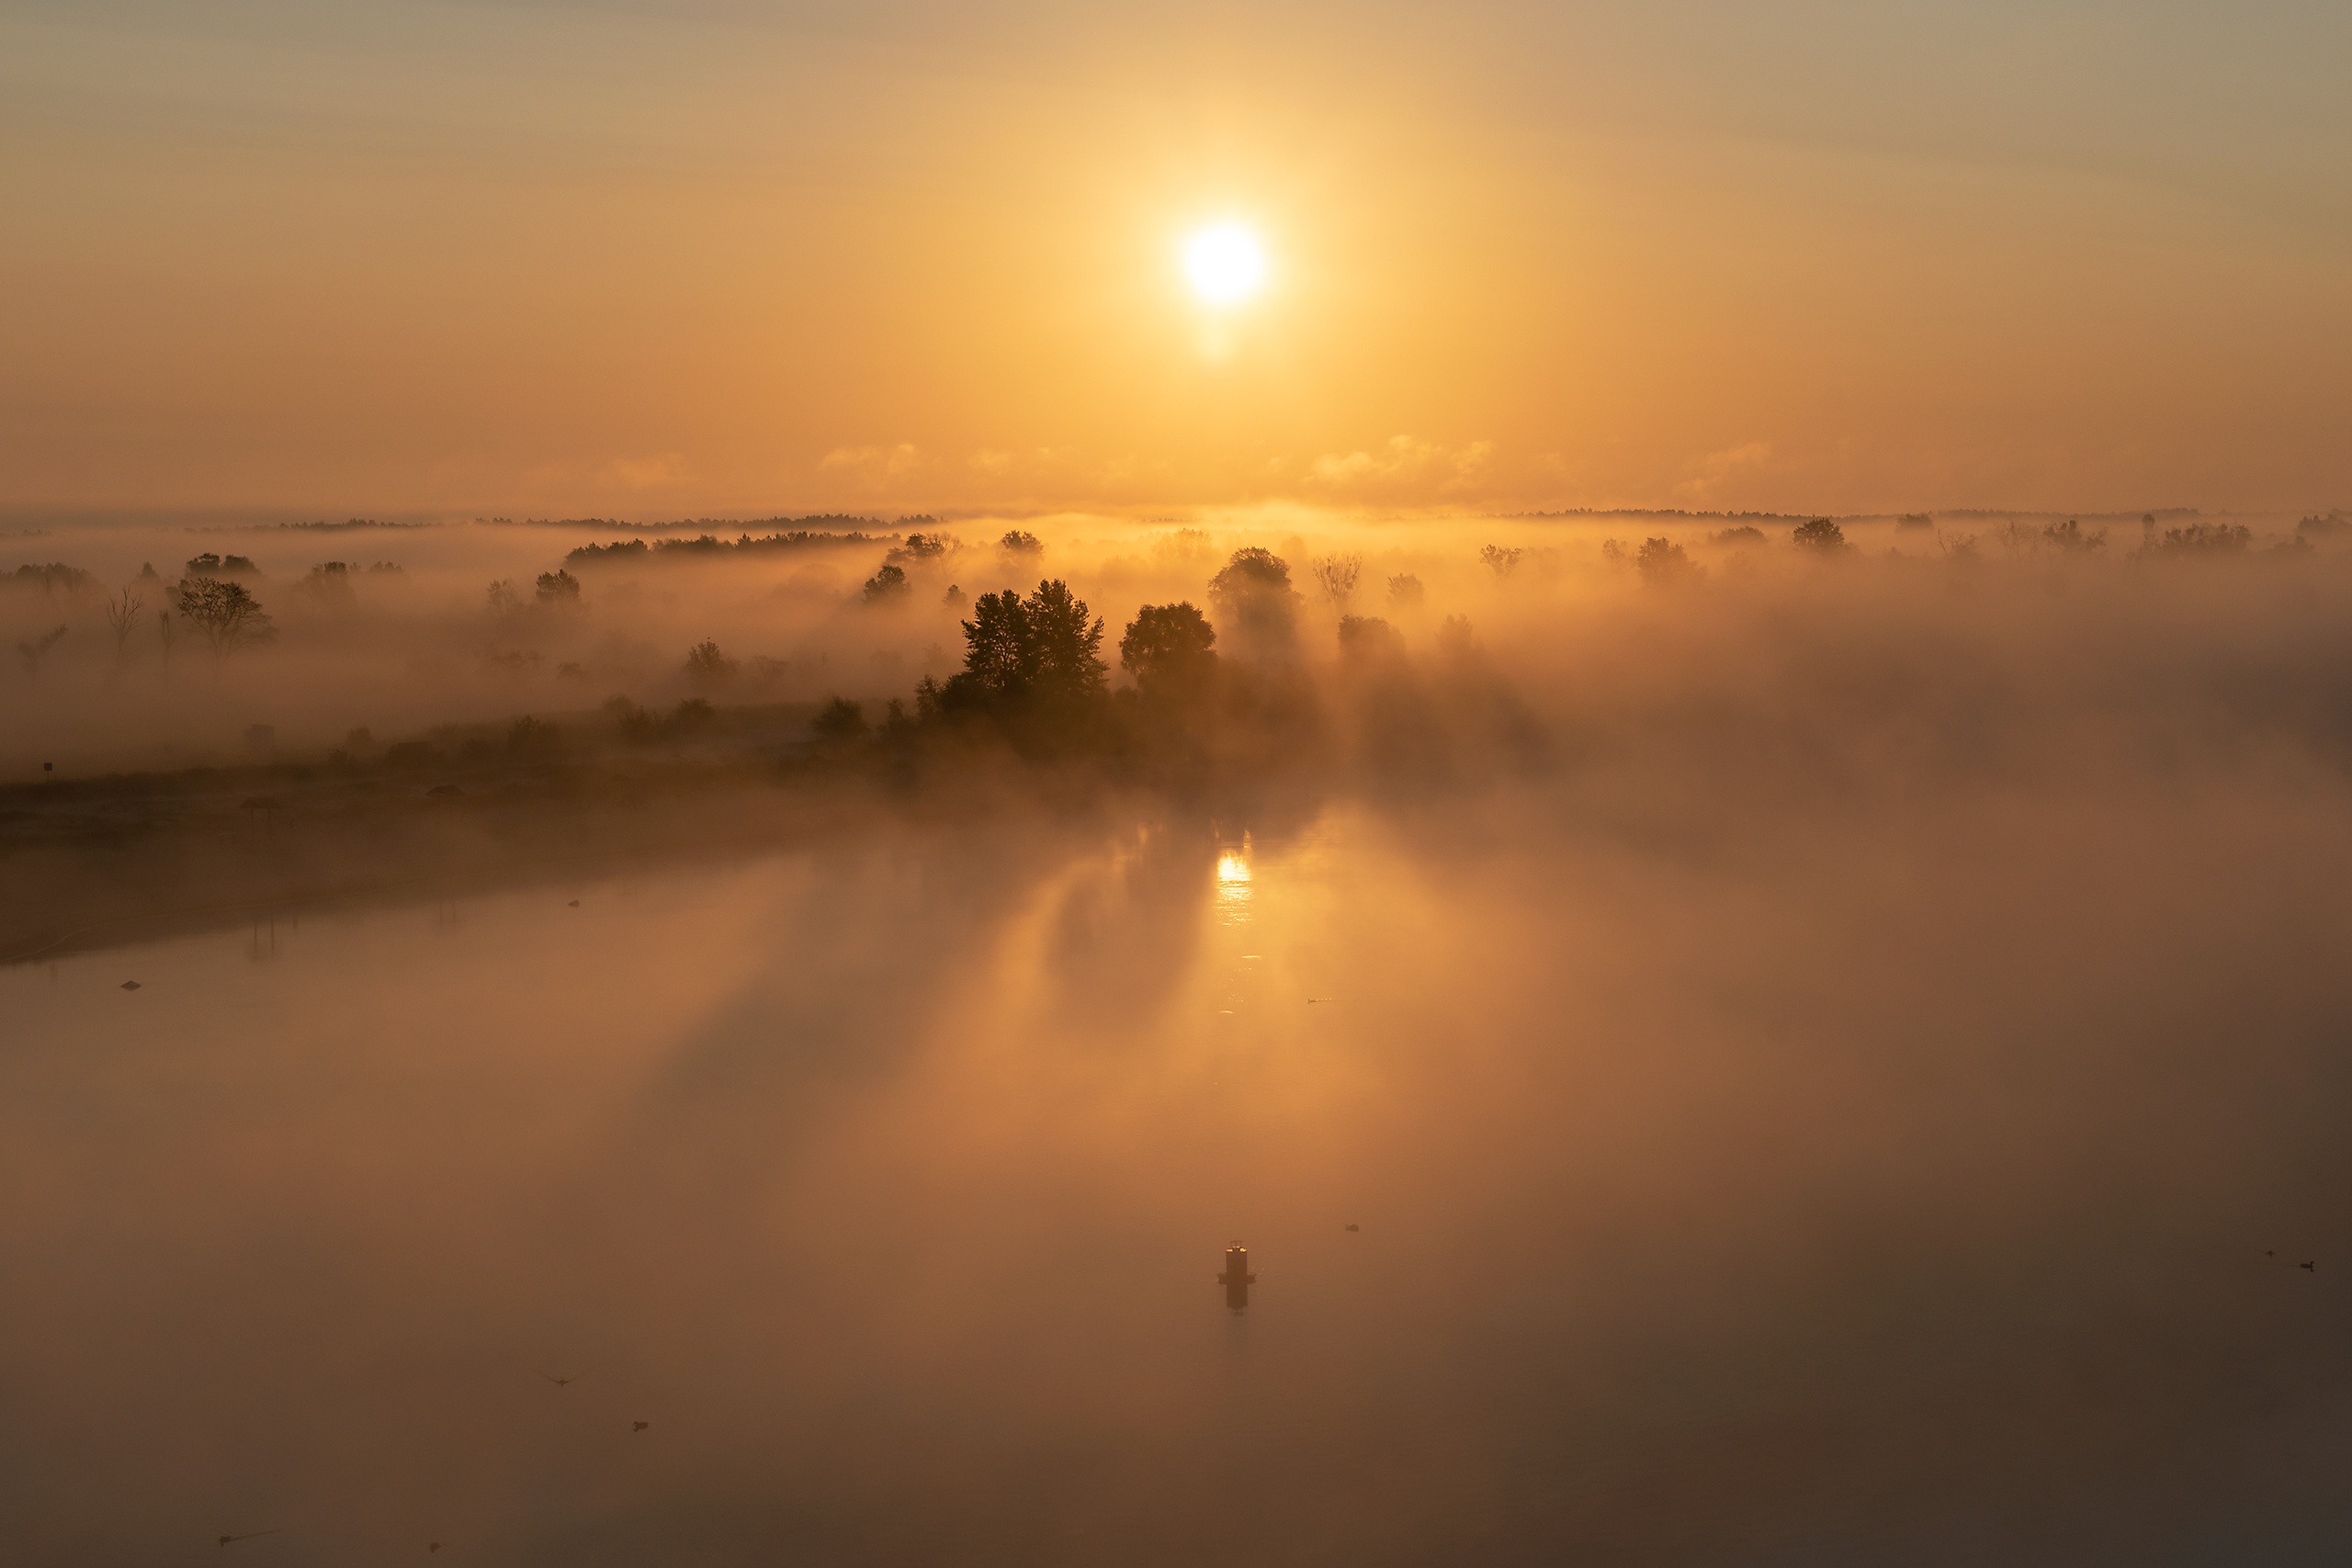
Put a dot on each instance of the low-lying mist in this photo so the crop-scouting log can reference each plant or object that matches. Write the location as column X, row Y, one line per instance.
column 1821, row 1045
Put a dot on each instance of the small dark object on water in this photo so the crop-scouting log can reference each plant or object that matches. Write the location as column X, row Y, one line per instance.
column 560, row 1383
column 444, row 789
column 431, row 1547
column 573, row 904
column 1236, row 1278
column 1351, row 1227
column 640, row 1425
column 2311, row 1267
column 131, row 985
column 229, row 1540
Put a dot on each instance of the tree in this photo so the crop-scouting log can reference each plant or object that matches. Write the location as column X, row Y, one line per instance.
column 122, row 619
column 225, row 615
column 558, row 586
column 1068, row 645
column 840, row 722
column 1169, row 647
column 1023, row 545
column 887, row 586
column 1501, row 560
column 1405, row 591
column 921, row 547
column 2069, row 537
column 1822, row 536
column 1022, row 653
column 708, row 668
column 33, row 651
column 329, row 584
column 1335, row 578
column 2207, row 539
column 1664, row 564
column 503, row 599
column 1252, row 598
column 1365, row 639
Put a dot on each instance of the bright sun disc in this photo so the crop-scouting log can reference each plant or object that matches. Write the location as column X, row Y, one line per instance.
column 1225, row 264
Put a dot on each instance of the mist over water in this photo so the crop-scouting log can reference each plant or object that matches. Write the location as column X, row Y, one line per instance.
column 1817, row 1057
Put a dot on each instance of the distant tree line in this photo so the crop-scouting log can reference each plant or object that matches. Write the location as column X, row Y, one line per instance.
column 710, row 545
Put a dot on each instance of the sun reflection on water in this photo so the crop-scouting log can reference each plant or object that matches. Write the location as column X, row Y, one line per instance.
column 1233, row 886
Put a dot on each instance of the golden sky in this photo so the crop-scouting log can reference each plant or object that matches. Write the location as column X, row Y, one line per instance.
column 650, row 259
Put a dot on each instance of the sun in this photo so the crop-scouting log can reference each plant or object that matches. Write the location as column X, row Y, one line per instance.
column 1225, row 264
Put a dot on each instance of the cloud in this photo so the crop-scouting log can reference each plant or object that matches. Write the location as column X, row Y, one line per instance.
column 653, row 472
column 874, row 462
column 1403, row 462
column 1716, row 467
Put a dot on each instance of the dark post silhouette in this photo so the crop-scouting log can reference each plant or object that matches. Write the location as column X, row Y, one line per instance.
column 1236, row 1278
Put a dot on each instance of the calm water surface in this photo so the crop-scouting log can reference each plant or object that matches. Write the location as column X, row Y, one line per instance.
column 1858, row 1207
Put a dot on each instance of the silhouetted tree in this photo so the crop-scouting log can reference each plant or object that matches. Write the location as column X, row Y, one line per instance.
column 1254, row 602
column 2207, row 539
column 1821, row 536
column 225, row 615
column 889, row 585
column 1336, row 577
column 920, row 548
column 1368, row 639
column 329, row 584
column 1500, row 560
column 1405, row 591
column 840, row 722
column 708, row 668
column 956, row 599
column 1664, row 564
column 503, row 599
column 35, row 649
column 2069, row 537
column 1022, row 544
column 558, row 588
column 52, row 579
column 1170, row 646
column 1024, row 656
column 122, row 619
column 1738, row 538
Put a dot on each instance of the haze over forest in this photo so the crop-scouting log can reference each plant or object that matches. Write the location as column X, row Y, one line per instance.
column 1043, row 784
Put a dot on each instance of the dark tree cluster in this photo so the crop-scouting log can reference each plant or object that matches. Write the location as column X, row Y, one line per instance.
column 711, row 545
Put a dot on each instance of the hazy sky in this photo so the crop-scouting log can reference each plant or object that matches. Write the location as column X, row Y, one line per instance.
column 652, row 259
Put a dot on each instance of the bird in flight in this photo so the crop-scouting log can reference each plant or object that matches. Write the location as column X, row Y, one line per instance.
column 640, row 1425
column 560, row 1383
column 231, row 1540
column 131, row 985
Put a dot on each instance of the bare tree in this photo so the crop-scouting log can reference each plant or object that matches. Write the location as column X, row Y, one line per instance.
column 225, row 615
column 33, row 651
column 1501, row 560
column 168, row 632
column 122, row 619
column 1335, row 579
